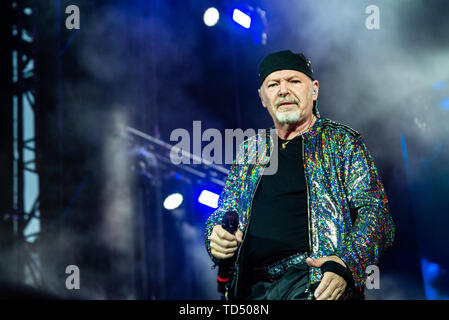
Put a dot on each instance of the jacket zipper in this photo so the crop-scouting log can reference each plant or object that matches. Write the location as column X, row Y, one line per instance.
column 308, row 209
column 249, row 218
column 246, row 231
column 309, row 233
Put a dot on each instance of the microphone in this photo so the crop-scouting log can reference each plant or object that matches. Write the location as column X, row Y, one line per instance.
column 230, row 223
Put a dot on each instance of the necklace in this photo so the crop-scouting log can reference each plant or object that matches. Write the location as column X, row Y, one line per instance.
column 284, row 144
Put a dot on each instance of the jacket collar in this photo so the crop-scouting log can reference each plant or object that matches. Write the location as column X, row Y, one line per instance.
column 315, row 128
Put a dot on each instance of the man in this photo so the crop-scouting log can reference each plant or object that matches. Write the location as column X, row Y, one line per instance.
column 310, row 230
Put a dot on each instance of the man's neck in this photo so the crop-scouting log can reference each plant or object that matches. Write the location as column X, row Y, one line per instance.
column 291, row 130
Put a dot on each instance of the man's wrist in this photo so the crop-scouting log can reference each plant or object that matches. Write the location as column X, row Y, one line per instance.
column 337, row 258
column 337, row 268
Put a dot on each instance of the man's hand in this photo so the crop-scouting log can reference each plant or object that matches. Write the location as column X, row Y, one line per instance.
column 224, row 244
column 332, row 285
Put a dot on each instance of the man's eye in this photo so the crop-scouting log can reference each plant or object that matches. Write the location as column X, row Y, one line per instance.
column 295, row 81
column 271, row 85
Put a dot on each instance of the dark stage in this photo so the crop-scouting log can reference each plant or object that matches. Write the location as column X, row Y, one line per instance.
column 95, row 95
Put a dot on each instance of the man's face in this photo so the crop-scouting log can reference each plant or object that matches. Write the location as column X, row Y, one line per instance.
column 288, row 95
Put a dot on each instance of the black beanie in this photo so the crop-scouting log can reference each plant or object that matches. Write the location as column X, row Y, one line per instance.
column 284, row 60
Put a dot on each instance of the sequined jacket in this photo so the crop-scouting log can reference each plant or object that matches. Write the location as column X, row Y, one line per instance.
column 347, row 205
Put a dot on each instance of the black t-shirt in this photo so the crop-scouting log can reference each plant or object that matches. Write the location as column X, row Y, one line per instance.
column 278, row 225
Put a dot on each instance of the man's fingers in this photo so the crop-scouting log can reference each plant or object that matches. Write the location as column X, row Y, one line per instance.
column 223, row 244
column 334, row 290
column 336, row 294
column 239, row 235
column 221, row 249
column 327, row 293
column 331, row 287
column 341, row 286
column 323, row 285
column 316, row 263
column 223, row 234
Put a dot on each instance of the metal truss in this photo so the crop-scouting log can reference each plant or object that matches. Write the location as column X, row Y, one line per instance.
column 154, row 149
column 26, row 174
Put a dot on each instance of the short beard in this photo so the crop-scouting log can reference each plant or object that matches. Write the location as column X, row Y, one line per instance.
column 291, row 117
column 288, row 117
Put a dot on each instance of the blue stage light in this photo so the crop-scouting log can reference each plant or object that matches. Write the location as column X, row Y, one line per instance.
column 404, row 151
column 241, row 18
column 440, row 85
column 444, row 103
column 209, row 199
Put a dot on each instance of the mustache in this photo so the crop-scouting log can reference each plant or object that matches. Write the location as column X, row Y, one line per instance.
column 285, row 100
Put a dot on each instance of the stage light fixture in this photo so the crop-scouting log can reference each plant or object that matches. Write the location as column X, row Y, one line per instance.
column 209, row 199
column 211, row 17
column 241, row 18
column 173, row 201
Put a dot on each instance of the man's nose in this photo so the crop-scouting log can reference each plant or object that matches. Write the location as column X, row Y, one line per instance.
column 283, row 90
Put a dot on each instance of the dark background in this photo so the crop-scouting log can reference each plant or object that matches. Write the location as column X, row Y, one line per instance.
column 155, row 66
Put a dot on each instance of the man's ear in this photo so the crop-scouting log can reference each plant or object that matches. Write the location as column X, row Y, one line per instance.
column 261, row 98
column 316, row 87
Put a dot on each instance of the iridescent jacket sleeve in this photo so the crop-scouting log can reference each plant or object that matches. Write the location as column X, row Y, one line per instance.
column 228, row 202
column 373, row 229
